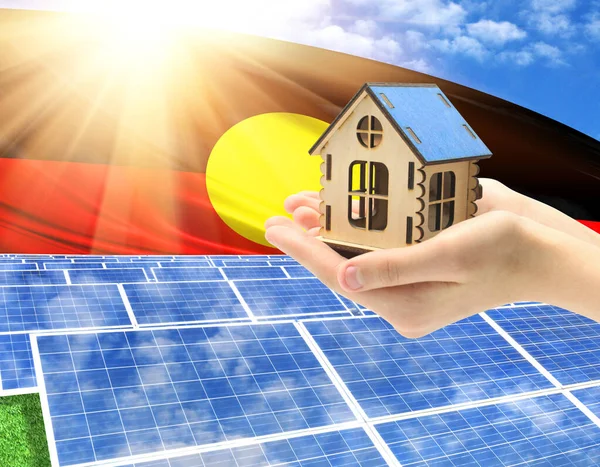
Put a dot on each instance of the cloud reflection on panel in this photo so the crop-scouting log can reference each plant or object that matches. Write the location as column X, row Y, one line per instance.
column 61, row 307
column 148, row 391
column 512, row 433
column 178, row 302
column 389, row 374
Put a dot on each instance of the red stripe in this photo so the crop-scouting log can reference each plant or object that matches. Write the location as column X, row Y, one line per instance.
column 61, row 207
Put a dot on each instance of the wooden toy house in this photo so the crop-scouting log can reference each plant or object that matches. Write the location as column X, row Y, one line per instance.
column 399, row 166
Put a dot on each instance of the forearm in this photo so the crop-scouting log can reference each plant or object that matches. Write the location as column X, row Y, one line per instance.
column 566, row 273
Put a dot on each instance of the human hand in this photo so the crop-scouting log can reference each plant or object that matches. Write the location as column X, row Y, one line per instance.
column 496, row 197
column 495, row 258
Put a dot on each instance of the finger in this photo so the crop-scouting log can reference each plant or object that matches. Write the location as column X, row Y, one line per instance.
column 293, row 202
column 310, row 252
column 430, row 261
column 307, row 218
column 282, row 221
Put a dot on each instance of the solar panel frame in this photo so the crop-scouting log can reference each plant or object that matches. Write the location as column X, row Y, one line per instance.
column 384, row 372
column 565, row 344
column 504, row 433
column 320, row 448
column 336, row 410
column 187, row 274
column 149, row 312
column 102, row 275
column 34, row 313
column 32, row 277
column 296, row 296
column 17, row 372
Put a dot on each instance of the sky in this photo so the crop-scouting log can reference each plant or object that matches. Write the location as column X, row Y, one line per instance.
column 541, row 54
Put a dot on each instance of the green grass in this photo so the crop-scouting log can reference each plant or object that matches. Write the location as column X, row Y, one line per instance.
column 22, row 434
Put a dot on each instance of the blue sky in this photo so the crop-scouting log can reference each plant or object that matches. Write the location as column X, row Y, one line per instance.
column 541, row 54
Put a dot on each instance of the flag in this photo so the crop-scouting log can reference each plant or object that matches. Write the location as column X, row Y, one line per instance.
column 104, row 147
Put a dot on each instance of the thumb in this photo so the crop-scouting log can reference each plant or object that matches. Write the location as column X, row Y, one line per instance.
column 425, row 262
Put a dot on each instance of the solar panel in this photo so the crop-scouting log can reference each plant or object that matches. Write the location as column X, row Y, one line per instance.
column 242, row 262
column 285, row 297
column 71, row 265
column 146, row 265
column 389, row 374
column 542, row 431
column 93, row 259
column 298, row 271
column 35, row 308
column 16, row 363
column 178, row 302
column 115, row 395
column 254, row 272
column 565, row 344
column 351, row 447
column 106, row 276
column 182, row 274
column 18, row 267
column 32, row 277
column 185, row 264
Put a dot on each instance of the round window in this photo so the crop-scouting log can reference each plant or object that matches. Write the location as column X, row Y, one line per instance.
column 369, row 131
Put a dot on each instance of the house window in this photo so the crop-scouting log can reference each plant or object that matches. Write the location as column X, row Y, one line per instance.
column 368, row 186
column 442, row 191
column 369, row 132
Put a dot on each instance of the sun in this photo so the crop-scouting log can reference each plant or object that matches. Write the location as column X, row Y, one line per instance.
column 258, row 163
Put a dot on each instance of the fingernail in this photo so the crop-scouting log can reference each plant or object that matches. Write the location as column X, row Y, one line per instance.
column 353, row 279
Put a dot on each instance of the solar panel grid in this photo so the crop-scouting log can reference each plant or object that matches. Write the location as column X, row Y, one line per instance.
column 185, row 264
column 177, row 302
column 16, row 362
column 120, row 394
column 350, row 447
column 32, row 277
column 565, row 344
column 547, row 430
column 18, row 266
column 288, row 297
column 107, row 276
column 388, row 374
column 254, row 272
column 298, row 271
column 71, row 265
column 36, row 308
column 181, row 274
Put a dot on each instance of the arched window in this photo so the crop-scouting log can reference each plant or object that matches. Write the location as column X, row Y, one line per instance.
column 369, row 132
column 442, row 191
column 368, row 185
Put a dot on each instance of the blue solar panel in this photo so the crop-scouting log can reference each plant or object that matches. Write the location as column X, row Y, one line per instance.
column 182, row 274
column 590, row 398
column 146, row 265
column 176, row 302
column 254, row 272
column 16, row 362
column 350, row 447
column 542, row 431
column 71, row 265
column 106, row 276
column 389, row 374
column 116, row 394
column 93, row 259
column 298, row 271
column 32, row 277
column 565, row 344
column 283, row 297
column 243, row 262
column 185, row 264
column 60, row 307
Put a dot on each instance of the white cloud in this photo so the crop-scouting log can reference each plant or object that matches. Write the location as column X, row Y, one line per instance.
column 540, row 50
column 592, row 27
column 420, row 65
column 495, row 32
column 551, row 17
column 520, row 58
column 461, row 45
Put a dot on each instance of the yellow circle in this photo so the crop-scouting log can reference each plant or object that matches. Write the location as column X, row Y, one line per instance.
column 257, row 164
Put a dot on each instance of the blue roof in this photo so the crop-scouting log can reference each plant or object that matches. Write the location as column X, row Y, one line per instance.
column 433, row 119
